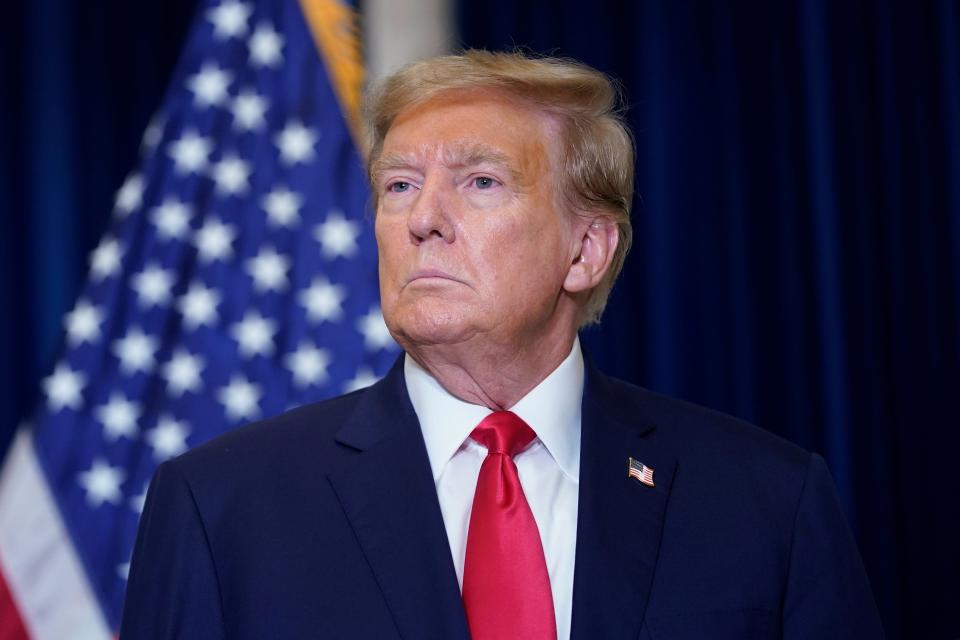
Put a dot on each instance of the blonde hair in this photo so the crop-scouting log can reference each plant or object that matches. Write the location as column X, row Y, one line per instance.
column 597, row 153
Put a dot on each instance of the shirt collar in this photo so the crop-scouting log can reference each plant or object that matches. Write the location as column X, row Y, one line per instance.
column 552, row 409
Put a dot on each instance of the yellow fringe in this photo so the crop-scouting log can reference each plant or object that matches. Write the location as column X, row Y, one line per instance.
column 337, row 34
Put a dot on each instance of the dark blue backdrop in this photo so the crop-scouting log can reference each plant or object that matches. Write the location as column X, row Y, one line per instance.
column 797, row 255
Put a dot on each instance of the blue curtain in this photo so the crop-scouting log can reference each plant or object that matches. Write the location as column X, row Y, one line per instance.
column 797, row 225
column 797, row 243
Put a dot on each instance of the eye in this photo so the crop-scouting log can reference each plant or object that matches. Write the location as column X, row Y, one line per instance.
column 484, row 182
column 398, row 187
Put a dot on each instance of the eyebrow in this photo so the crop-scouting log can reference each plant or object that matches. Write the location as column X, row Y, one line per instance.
column 389, row 162
column 459, row 156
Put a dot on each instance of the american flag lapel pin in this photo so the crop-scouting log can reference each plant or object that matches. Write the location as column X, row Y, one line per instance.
column 639, row 471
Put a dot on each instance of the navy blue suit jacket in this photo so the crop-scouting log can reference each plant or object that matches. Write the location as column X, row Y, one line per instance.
column 324, row 523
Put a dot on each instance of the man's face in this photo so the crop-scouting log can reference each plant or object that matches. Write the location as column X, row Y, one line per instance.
column 470, row 237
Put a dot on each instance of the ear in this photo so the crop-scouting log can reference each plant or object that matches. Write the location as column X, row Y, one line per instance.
column 598, row 241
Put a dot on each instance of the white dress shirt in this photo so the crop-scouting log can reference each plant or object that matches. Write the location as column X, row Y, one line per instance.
column 549, row 468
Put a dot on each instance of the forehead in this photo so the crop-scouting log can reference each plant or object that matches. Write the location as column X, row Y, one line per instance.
column 465, row 127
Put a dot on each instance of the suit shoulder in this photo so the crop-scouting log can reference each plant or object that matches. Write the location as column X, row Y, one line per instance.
column 730, row 476
column 286, row 437
column 710, row 434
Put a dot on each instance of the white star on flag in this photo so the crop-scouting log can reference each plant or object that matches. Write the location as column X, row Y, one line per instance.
column 266, row 46
column 137, row 501
column 231, row 175
column 152, row 286
column 152, row 135
column 168, row 438
column 282, row 207
column 268, row 270
column 135, row 351
column 172, row 219
column 248, row 109
column 214, row 240
column 130, row 195
column 229, row 19
column 323, row 300
column 105, row 259
column 240, row 399
column 296, row 143
column 364, row 378
column 199, row 306
column 209, row 86
column 182, row 372
column 102, row 483
column 118, row 417
column 254, row 334
column 83, row 324
column 337, row 235
column 375, row 333
column 190, row 153
column 63, row 388
column 308, row 365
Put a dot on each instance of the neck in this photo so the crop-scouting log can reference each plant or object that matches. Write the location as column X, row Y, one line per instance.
column 494, row 375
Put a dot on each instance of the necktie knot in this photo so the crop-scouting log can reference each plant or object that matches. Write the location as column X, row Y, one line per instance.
column 503, row 432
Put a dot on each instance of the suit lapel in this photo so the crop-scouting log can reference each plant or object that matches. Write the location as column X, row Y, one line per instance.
column 388, row 494
column 620, row 520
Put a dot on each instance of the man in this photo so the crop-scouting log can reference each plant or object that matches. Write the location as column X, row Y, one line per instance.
column 494, row 484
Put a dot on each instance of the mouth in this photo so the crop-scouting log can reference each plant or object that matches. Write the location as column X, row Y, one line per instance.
column 426, row 275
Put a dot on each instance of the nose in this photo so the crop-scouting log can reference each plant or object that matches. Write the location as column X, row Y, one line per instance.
column 429, row 216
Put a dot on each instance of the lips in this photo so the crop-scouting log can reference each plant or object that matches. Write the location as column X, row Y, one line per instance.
column 423, row 274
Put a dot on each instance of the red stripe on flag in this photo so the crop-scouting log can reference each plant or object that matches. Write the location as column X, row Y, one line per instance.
column 11, row 625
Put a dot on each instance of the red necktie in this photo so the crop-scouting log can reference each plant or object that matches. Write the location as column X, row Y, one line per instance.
column 506, row 589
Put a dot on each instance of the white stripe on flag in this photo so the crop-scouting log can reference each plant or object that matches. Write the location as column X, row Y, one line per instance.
column 41, row 567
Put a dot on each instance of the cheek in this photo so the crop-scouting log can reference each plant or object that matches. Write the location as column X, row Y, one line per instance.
column 380, row 232
column 523, row 262
column 389, row 258
column 390, row 240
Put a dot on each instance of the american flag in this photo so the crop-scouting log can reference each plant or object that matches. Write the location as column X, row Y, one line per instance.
column 640, row 471
column 237, row 280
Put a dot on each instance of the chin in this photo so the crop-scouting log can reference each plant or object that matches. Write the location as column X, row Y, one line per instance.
column 429, row 323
